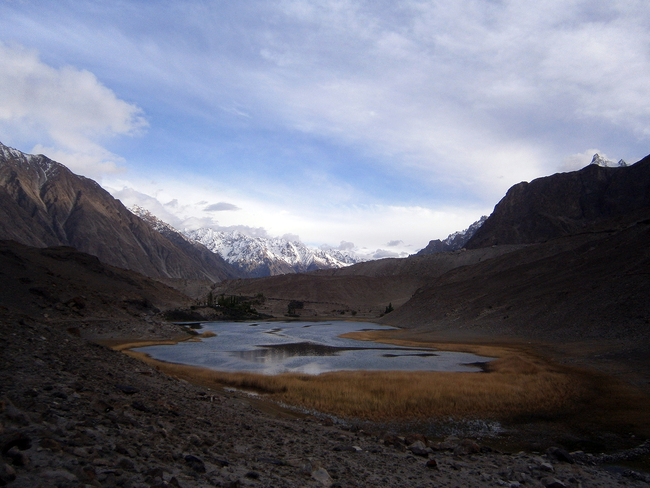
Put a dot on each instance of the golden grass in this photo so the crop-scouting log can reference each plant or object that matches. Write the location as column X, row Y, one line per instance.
column 519, row 386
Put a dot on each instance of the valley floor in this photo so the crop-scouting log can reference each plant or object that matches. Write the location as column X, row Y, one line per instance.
column 74, row 413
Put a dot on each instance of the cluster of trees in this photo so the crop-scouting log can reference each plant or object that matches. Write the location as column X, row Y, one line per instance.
column 237, row 304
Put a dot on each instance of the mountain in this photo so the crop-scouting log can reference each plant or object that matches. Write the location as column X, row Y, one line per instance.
column 454, row 241
column 63, row 284
column 259, row 256
column 42, row 204
column 562, row 261
column 599, row 160
column 566, row 203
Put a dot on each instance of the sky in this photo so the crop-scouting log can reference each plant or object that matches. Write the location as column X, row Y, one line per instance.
column 367, row 125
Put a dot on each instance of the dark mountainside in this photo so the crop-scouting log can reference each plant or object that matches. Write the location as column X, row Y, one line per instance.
column 42, row 204
column 63, row 284
column 565, row 204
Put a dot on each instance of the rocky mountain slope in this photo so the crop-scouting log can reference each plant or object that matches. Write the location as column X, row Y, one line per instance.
column 363, row 290
column 64, row 285
column 42, row 203
column 454, row 241
column 565, row 204
column 259, row 256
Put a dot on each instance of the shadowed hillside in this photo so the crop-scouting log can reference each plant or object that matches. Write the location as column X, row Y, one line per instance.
column 42, row 204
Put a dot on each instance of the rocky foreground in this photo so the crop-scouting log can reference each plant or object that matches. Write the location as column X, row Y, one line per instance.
column 73, row 413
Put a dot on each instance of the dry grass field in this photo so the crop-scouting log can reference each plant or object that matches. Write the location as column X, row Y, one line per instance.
column 517, row 388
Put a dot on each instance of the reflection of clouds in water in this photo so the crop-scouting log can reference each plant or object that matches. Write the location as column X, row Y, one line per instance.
column 307, row 348
column 282, row 352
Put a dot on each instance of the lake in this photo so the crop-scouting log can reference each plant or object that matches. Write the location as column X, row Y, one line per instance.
column 304, row 347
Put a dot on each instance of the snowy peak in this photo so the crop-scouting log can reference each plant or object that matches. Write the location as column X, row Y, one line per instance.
column 153, row 221
column 260, row 256
column 599, row 160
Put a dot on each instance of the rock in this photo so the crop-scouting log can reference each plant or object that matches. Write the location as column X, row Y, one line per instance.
column 344, row 448
column 552, row 483
column 467, row 446
column 195, row 440
column 419, row 449
column 141, row 407
column 322, row 476
column 126, row 464
column 7, row 474
column 411, row 438
column 560, row 454
column 15, row 415
column 87, row 474
column 17, row 457
column 432, row 464
column 547, row 467
column 195, row 463
column 51, row 444
column 393, row 441
column 128, row 390
column 19, row 440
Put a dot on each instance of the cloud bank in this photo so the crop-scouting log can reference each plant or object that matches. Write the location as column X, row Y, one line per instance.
column 67, row 107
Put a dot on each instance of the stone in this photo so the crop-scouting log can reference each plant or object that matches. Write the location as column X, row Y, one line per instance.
column 7, row 474
column 560, row 454
column 418, row 448
column 195, row 440
column 322, row 476
column 467, row 446
column 18, row 458
column 126, row 464
column 126, row 389
column 51, row 444
column 19, row 440
column 411, row 438
column 195, row 463
column 432, row 464
column 547, row 467
column 552, row 483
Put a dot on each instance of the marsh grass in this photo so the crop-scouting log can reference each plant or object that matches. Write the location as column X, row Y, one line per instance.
column 516, row 388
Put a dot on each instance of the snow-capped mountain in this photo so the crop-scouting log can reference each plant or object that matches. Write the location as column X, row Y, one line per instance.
column 454, row 241
column 259, row 256
column 606, row 163
column 254, row 256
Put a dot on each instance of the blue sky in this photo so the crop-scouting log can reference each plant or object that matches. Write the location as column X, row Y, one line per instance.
column 381, row 123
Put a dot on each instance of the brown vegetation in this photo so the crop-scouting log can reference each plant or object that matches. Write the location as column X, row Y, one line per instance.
column 516, row 388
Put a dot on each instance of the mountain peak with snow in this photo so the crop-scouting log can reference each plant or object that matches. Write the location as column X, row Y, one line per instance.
column 263, row 256
column 599, row 160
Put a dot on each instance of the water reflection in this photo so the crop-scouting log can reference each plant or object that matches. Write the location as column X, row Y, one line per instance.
column 305, row 347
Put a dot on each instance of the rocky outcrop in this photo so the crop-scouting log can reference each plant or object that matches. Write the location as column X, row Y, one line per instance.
column 567, row 203
column 42, row 203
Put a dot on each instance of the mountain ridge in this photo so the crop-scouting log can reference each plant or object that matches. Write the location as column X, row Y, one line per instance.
column 566, row 203
column 258, row 256
column 43, row 204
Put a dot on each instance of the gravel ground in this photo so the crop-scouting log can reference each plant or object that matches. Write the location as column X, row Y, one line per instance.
column 73, row 413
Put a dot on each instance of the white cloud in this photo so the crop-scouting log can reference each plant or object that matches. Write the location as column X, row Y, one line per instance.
column 382, row 253
column 220, row 207
column 67, row 107
column 580, row 160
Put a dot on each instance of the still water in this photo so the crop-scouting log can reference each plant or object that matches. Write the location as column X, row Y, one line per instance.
column 304, row 347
